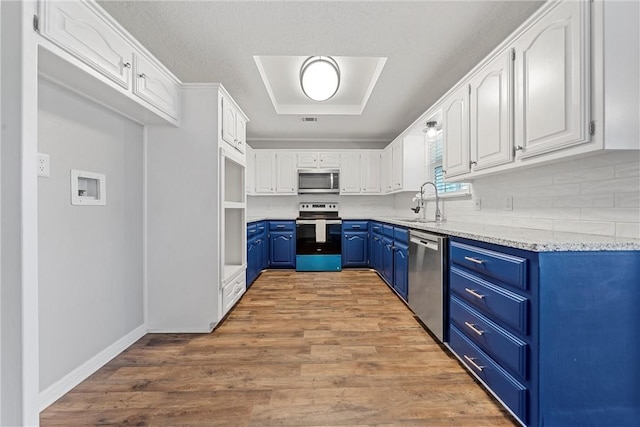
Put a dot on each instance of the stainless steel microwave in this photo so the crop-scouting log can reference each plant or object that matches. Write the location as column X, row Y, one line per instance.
column 314, row 181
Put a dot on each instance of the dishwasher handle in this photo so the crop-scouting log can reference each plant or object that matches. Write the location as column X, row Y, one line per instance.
column 427, row 244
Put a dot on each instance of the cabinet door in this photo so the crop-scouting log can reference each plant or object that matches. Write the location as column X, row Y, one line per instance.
column 241, row 133
column 401, row 270
column 350, row 173
column 552, row 81
column 264, row 172
column 282, row 249
column 370, row 172
column 387, row 260
column 155, row 87
column 229, row 130
column 355, row 251
column 307, row 160
column 491, row 112
column 455, row 133
column 329, row 160
column 252, row 266
column 386, row 170
column 250, row 172
column 286, row 173
column 75, row 27
column 396, row 165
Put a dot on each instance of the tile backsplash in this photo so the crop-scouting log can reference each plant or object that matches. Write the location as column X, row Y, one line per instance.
column 594, row 195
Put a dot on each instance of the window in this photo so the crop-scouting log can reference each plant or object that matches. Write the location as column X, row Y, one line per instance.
column 435, row 168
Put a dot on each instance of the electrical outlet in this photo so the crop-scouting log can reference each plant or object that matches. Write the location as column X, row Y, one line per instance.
column 44, row 165
column 508, row 203
column 477, row 204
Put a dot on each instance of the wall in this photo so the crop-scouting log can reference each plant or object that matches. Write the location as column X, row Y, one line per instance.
column 350, row 206
column 599, row 194
column 90, row 257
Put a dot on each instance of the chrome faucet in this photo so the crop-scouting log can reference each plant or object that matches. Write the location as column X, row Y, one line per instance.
column 421, row 203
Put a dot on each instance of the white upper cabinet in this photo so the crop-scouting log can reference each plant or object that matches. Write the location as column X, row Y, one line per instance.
column 491, row 106
column 286, row 173
column 78, row 29
column 350, row 173
column 307, row 159
column 553, row 81
column 265, row 172
column 155, row 87
column 386, row 170
column 234, row 126
column 397, row 165
column 455, row 132
column 250, row 181
column 312, row 159
column 370, row 174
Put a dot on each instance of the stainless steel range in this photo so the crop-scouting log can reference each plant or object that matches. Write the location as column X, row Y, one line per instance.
column 318, row 237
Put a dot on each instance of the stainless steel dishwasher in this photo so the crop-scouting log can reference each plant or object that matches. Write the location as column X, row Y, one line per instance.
column 427, row 280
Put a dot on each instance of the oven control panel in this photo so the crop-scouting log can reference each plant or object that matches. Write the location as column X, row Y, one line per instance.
column 318, row 207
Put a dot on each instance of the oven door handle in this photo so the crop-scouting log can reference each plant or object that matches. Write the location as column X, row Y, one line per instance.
column 313, row 221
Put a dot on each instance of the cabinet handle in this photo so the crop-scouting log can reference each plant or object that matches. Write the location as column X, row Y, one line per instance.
column 280, row 226
column 519, row 148
column 474, row 293
column 444, row 171
column 472, row 163
column 142, row 76
column 473, row 328
column 355, row 226
column 127, row 65
column 474, row 260
column 473, row 363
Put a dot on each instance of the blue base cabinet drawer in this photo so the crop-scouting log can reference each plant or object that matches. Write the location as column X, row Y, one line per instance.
column 282, row 226
column 351, row 225
column 513, row 394
column 509, row 308
column 510, row 351
column 504, row 267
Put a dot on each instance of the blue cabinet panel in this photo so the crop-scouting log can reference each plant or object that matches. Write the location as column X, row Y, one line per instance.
column 507, row 349
column 376, row 251
column 387, row 231
column 355, row 248
column 401, row 235
column 401, row 270
column 507, row 388
column 282, row 249
column 508, row 308
column 504, row 267
column 282, row 225
column 351, row 225
column 387, row 260
column 376, row 227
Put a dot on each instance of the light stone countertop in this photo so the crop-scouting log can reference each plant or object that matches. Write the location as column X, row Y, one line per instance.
column 521, row 238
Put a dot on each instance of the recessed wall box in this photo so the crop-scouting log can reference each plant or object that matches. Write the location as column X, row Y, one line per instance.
column 88, row 188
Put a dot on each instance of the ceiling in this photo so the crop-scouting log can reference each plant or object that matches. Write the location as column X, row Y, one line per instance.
column 429, row 46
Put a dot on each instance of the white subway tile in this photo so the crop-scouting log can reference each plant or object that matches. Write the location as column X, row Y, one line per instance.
column 584, row 201
column 531, row 202
column 628, row 169
column 616, row 185
column 610, row 214
column 628, row 200
column 556, row 213
column 583, row 175
column 628, row 229
column 555, row 190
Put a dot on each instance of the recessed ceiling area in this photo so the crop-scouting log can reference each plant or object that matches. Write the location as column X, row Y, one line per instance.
column 281, row 78
column 429, row 46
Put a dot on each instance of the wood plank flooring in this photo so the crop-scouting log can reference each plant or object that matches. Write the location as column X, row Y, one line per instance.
column 300, row 349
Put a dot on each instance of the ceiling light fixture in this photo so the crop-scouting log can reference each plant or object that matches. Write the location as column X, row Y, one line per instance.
column 320, row 77
column 432, row 129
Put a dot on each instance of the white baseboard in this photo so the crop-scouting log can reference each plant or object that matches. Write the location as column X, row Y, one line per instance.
column 58, row 389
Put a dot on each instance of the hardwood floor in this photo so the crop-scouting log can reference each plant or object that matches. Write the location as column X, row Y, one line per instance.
column 300, row 349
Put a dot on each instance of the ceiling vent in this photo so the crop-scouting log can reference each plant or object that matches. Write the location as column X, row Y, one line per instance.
column 309, row 119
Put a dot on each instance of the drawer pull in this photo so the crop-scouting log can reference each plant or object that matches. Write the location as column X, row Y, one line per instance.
column 473, row 363
column 474, row 260
column 474, row 293
column 279, row 226
column 473, row 328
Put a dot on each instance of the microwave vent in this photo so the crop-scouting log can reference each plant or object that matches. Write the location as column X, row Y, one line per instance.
column 309, row 119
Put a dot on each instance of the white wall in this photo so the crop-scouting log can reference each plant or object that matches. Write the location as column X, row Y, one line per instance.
column 90, row 257
column 599, row 194
column 350, row 206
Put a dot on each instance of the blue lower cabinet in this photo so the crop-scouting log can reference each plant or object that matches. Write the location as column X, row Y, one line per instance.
column 282, row 249
column 387, row 260
column 355, row 249
column 401, row 269
column 376, row 251
column 252, row 266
